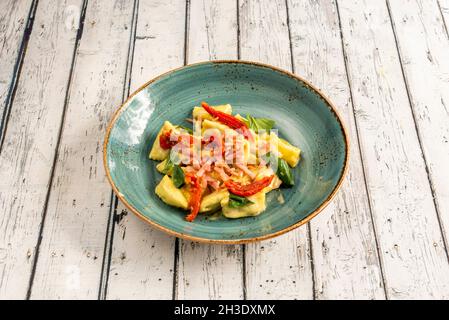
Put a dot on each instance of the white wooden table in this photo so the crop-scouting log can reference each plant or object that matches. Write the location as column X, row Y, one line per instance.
column 66, row 65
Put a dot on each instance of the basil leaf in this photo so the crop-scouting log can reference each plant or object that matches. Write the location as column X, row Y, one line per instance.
column 236, row 201
column 250, row 123
column 237, row 198
column 264, row 123
column 285, row 173
column 168, row 166
column 257, row 124
column 253, row 124
column 234, row 204
column 171, row 160
column 177, row 176
column 189, row 130
column 246, row 121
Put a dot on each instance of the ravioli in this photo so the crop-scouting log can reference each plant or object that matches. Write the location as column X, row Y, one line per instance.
column 171, row 195
column 223, row 164
column 157, row 152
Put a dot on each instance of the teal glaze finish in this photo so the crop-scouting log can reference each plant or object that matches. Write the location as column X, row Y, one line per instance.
column 302, row 116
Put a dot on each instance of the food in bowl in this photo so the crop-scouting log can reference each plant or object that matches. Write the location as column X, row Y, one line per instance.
column 223, row 163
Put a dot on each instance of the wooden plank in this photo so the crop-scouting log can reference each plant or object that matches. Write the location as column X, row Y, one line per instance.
column 346, row 262
column 142, row 261
column 29, row 146
column 423, row 45
column 412, row 250
column 212, row 30
column 210, row 271
column 70, row 258
column 14, row 17
column 114, row 217
column 279, row 268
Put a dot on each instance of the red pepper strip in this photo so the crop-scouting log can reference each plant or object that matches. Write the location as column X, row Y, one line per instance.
column 195, row 197
column 231, row 121
column 248, row 189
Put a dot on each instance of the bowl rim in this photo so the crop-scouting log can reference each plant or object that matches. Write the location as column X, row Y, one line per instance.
column 291, row 227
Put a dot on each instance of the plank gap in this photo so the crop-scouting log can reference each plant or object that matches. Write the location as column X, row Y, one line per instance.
column 443, row 18
column 16, row 72
column 238, row 36
column 177, row 240
column 109, row 238
column 243, row 246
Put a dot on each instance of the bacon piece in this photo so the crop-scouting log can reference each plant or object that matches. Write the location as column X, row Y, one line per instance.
column 212, row 182
column 221, row 173
column 196, row 164
column 228, row 169
column 245, row 169
column 205, row 168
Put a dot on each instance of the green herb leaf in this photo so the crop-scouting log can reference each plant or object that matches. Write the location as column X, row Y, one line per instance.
column 285, row 173
column 168, row 166
column 257, row 124
column 236, row 201
column 177, row 176
column 189, row 130
column 171, row 160
column 246, row 121
column 264, row 123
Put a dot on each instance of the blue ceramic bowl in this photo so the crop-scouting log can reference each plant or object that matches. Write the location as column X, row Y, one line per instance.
column 303, row 116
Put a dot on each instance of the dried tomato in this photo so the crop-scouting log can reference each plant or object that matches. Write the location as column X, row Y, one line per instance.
column 229, row 120
column 248, row 189
column 195, row 197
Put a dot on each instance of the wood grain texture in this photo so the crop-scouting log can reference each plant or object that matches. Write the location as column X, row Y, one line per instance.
column 424, row 51
column 29, row 147
column 411, row 245
column 394, row 101
column 210, row 271
column 279, row 268
column 142, row 262
column 13, row 21
column 212, row 31
column 70, row 256
column 346, row 263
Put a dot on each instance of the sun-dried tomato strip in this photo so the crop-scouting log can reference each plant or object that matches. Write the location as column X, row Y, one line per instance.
column 195, row 197
column 229, row 120
column 248, row 189
column 166, row 142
